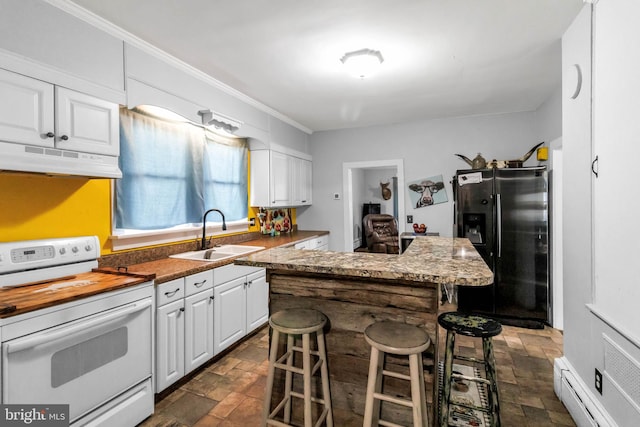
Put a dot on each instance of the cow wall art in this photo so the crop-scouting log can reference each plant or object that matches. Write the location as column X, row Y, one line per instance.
column 427, row 192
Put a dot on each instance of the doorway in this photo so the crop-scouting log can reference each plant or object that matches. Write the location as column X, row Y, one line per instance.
column 352, row 172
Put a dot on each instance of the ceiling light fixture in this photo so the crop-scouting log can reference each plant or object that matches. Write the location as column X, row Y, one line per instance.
column 362, row 63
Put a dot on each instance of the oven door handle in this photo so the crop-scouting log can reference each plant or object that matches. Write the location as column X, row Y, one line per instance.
column 45, row 337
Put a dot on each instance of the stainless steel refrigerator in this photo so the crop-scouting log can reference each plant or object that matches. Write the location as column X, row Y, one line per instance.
column 504, row 212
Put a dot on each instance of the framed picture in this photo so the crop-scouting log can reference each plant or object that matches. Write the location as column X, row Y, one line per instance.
column 427, row 191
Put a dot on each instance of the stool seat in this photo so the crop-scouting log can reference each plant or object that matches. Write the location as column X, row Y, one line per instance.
column 298, row 321
column 397, row 338
column 470, row 325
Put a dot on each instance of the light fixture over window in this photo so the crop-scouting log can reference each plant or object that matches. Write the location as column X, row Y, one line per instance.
column 362, row 63
column 219, row 121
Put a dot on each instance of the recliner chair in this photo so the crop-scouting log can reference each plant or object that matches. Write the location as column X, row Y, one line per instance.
column 381, row 231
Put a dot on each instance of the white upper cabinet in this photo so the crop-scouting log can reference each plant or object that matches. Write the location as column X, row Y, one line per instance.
column 280, row 173
column 279, row 179
column 26, row 108
column 32, row 114
column 85, row 123
column 301, row 176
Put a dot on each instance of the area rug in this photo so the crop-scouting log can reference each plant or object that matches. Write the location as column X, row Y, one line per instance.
column 467, row 392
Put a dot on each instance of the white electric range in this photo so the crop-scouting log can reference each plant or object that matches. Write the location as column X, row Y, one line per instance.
column 74, row 335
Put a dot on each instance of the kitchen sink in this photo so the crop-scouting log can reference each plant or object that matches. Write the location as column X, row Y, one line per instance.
column 218, row 253
column 237, row 249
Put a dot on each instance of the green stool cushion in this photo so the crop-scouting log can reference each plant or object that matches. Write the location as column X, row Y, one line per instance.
column 471, row 325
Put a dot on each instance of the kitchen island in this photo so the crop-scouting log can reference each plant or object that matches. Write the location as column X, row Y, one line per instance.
column 355, row 289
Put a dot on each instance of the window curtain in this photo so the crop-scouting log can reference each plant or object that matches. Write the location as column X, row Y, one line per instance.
column 171, row 172
column 226, row 183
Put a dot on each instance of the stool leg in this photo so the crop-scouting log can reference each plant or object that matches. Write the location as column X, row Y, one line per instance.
column 446, row 378
column 417, row 390
column 272, row 368
column 288, row 382
column 374, row 385
column 423, row 397
column 306, row 368
column 490, row 370
column 324, row 372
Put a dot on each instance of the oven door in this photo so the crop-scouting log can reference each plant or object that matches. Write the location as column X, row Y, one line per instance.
column 83, row 363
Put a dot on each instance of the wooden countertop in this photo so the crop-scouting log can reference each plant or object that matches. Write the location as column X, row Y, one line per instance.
column 30, row 297
column 430, row 259
column 23, row 299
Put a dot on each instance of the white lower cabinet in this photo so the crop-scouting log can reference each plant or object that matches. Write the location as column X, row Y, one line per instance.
column 257, row 300
column 319, row 243
column 169, row 344
column 241, row 296
column 184, row 327
column 198, row 338
column 230, row 313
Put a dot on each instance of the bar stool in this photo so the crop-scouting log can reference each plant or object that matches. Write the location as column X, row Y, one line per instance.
column 292, row 323
column 389, row 337
column 471, row 325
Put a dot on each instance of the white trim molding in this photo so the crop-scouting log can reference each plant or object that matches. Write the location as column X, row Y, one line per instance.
column 110, row 28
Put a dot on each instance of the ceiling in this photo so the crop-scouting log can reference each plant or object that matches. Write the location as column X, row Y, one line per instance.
column 442, row 58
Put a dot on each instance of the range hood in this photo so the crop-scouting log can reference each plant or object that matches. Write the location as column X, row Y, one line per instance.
column 54, row 161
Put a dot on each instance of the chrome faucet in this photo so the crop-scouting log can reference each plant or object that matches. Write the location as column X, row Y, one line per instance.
column 203, row 243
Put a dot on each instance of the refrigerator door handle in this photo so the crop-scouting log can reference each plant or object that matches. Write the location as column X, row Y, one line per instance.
column 499, row 223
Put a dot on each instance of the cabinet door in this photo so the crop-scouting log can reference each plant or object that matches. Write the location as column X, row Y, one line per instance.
column 198, row 330
column 303, row 181
column 85, row 123
column 169, row 344
column 616, row 91
column 229, row 313
column 280, row 179
column 257, row 300
column 300, row 181
column 26, row 110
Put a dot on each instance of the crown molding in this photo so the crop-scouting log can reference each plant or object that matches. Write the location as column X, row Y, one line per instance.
column 110, row 28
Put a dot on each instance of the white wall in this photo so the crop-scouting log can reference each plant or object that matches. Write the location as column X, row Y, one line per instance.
column 427, row 148
column 373, row 192
column 549, row 118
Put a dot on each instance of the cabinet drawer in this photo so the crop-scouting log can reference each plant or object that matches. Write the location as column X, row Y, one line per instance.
column 198, row 282
column 169, row 292
column 320, row 241
column 229, row 272
column 302, row 245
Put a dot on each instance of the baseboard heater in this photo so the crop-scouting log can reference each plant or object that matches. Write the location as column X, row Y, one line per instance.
column 575, row 397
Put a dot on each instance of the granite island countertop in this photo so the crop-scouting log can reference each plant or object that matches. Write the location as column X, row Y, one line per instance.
column 432, row 259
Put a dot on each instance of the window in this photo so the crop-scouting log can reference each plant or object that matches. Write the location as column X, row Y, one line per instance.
column 173, row 171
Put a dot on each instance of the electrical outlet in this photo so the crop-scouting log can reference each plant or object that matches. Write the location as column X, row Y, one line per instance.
column 252, row 222
column 409, row 219
column 598, row 381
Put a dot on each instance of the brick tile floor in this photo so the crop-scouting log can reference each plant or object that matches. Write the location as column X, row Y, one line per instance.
column 229, row 392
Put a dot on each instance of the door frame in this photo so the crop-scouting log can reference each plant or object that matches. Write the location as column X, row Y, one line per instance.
column 347, row 183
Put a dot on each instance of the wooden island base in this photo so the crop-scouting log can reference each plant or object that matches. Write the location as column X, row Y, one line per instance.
column 352, row 304
column 355, row 289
